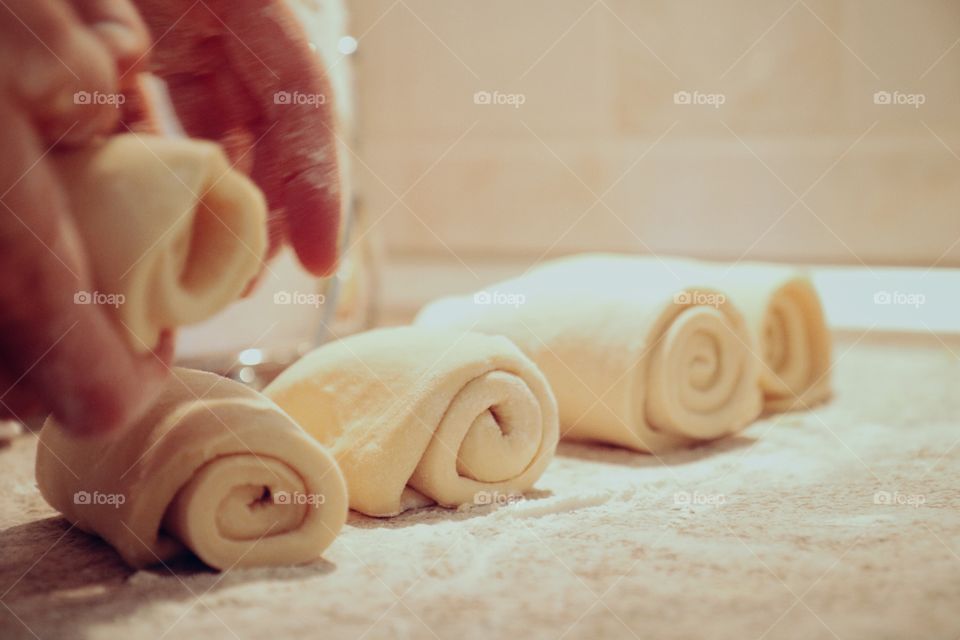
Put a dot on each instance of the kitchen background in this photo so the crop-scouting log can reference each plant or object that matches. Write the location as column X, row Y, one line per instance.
column 479, row 139
column 493, row 135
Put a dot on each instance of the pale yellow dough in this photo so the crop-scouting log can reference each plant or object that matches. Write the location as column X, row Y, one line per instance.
column 783, row 311
column 779, row 303
column 167, row 225
column 214, row 467
column 635, row 357
column 417, row 416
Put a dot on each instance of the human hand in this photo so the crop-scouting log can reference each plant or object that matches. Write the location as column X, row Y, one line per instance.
column 225, row 62
column 56, row 355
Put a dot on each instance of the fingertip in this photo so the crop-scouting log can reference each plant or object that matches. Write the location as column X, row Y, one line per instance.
column 95, row 412
column 110, row 406
column 313, row 224
column 117, row 389
column 319, row 263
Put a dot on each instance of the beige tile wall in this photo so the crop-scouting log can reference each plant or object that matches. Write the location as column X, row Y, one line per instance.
column 797, row 164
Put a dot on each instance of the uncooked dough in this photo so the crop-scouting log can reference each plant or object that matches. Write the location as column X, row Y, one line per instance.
column 173, row 234
column 779, row 303
column 416, row 416
column 783, row 310
column 635, row 357
column 214, row 467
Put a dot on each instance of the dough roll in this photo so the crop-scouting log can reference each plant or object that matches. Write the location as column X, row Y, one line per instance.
column 636, row 361
column 228, row 476
column 173, row 234
column 783, row 310
column 779, row 303
column 416, row 417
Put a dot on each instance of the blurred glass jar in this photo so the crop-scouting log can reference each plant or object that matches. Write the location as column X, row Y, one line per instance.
column 290, row 312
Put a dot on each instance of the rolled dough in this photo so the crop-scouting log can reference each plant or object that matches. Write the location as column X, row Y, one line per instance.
column 173, row 234
column 779, row 303
column 214, row 467
column 635, row 357
column 416, row 416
